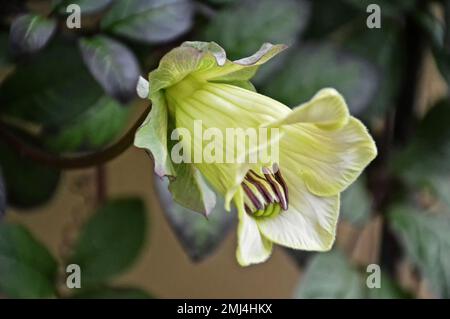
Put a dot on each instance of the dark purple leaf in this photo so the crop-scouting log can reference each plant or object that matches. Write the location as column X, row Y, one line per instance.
column 30, row 33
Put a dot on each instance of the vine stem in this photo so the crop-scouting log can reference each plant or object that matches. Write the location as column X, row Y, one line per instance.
column 45, row 158
column 402, row 126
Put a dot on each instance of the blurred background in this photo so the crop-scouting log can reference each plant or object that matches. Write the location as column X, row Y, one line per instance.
column 73, row 190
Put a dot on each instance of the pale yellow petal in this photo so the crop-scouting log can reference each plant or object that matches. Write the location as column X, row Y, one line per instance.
column 252, row 248
column 327, row 109
column 222, row 107
column 328, row 161
column 308, row 224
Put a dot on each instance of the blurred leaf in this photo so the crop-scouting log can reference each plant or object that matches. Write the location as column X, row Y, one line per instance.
column 110, row 241
column 2, row 197
column 150, row 21
column 311, row 68
column 243, row 27
column 442, row 58
column 113, row 65
column 388, row 290
column 388, row 7
column 86, row 6
column 198, row 236
column 27, row 270
column 328, row 16
column 4, row 57
column 427, row 243
column 30, row 33
column 90, row 130
column 446, row 7
column 433, row 27
column 329, row 275
column 435, row 32
column 112, row 293
column 426, row 161
column 356, row 203
column 440, row 184
column 28, row 183
column 220, row 1
column 52, row 90
column 384, row 48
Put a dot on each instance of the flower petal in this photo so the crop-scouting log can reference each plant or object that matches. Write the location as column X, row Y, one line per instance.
column 308, row 224
column 327, row 160
column 252, row 247
column 152, row 136
column 242, row 69
column 200, row 198
column 207, row 61
column 221, row 107
column 179, row 63
column 326, row 109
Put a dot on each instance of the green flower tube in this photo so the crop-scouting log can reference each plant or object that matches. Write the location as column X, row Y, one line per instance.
column 291, row 199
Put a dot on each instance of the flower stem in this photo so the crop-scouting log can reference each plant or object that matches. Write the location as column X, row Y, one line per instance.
column 46, row 158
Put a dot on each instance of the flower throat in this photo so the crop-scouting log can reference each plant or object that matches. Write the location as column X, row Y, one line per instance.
column 266, row 194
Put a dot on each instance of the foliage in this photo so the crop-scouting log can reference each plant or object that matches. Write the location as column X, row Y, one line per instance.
column 109, row 243
column 69, row 93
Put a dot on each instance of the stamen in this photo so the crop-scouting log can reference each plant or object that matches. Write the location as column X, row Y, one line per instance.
column 252, row 197
column 265, row 195
column 280, row 180
column 277, row 188
column 261, row 184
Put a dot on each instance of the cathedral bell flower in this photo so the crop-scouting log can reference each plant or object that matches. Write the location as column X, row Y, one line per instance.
column 290, row 198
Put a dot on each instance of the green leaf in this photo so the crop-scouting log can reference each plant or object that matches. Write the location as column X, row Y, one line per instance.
column 52, row 90
column 432, row 26
column 387, row 7
column 427, row 244
column 30, row 33
column 199, row 236
column 388, row 290
column 310, row 68
column 328, row 16
column 28, row 183
column 442, row 58
column 110, row 241
column 219, row 1
column 426, row 161
column 27, row 270
column 384, row 49
column 243, row 27
column 86, row 6
column 5, row 60
column 435, row 31
column 329, row 275
column 112, row 293
column 356, row 203
column 113, row 65
column 150, row 21
column 90, row 130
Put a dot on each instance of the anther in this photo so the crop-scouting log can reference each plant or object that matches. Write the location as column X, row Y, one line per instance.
column 266, row 194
